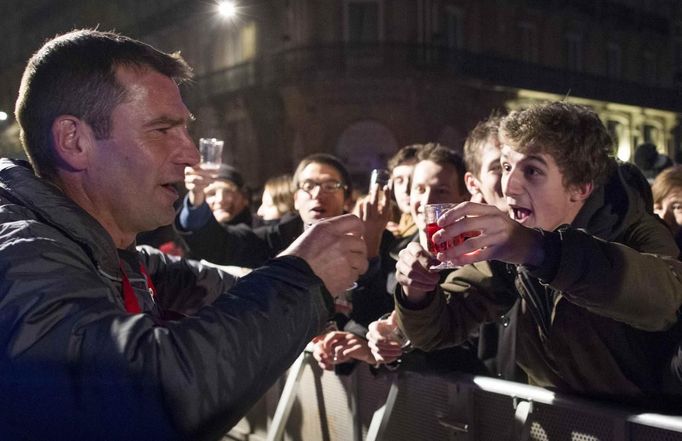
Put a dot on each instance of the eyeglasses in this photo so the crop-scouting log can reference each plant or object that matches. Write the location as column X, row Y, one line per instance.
column 325, row 187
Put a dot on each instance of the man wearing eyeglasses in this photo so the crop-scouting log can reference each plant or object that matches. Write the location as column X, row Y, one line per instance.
column 323, row 189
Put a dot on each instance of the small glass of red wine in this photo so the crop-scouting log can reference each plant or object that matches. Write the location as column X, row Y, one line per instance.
column 431, row 214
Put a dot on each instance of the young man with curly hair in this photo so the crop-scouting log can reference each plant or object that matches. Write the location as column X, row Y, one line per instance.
column 594, row 269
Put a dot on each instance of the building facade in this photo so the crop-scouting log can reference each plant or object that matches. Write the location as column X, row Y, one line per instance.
column 360, row 78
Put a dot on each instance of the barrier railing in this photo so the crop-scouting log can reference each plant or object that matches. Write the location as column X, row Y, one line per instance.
column 319, row 405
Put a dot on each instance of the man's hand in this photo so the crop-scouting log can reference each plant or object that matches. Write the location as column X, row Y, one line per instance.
column 335, row 251
column 382, row 340
column 412, row 272
column 340, row 347
column 196, row 181
column 375, row 212
column 500, row 237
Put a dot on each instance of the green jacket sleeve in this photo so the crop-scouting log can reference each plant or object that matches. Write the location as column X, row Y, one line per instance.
column 469, row 296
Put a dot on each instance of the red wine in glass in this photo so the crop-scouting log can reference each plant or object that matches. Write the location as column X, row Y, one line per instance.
column 434, row 247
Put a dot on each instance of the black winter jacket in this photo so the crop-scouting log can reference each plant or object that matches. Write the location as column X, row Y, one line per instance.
column 75, row 365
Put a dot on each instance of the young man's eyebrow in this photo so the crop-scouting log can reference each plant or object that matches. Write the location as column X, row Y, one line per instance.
column 531, row 157
column 536, row 158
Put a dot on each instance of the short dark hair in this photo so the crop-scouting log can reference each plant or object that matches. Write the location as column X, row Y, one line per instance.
column 572, row 134
column 326, row 159
column 442, row 155
column 405, row 154
column 486, row 130
column 75, row 74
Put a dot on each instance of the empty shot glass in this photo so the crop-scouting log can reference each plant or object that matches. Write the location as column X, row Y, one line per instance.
column 211, row 150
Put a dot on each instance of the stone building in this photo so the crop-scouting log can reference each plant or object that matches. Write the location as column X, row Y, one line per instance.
column 360, row 78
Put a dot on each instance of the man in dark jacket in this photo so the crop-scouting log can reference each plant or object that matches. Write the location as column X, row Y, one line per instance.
column 323, row 190
column 594, row 269
column 227, row 244
column 101, row 340
column 221, row 193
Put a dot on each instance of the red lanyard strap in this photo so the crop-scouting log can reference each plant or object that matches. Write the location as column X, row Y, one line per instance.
column 130, row 301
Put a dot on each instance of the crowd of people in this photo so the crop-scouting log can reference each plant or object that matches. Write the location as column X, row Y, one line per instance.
column 568, row 277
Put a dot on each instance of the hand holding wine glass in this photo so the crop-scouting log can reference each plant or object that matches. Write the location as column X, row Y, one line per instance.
column 432, row 212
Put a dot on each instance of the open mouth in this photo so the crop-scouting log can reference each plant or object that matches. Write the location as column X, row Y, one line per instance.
column 520, row 214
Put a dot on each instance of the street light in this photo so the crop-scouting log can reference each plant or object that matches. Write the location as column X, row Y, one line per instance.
column 3, row 116
column 227, row 9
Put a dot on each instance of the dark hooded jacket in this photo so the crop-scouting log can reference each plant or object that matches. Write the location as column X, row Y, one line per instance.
column 76, row 365
column 593, row 317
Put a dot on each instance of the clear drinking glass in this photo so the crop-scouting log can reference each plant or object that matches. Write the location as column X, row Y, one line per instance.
column 211, row 150
column 431, row 214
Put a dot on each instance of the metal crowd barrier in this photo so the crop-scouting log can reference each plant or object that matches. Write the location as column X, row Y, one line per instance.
column 313, row 405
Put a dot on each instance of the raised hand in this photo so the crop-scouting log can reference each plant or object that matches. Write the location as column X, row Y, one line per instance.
column 335, row 251
column 375, row 211
column 500, row 237
column 196, row 181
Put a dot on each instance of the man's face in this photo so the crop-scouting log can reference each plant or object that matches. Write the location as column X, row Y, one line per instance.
column 318, row 204
column 268, row 210
column 536, row 195
column 131, row 174
column 225, row 200
column 490, row 176
column 434, row 184
column 401, row 179
column 670, row 209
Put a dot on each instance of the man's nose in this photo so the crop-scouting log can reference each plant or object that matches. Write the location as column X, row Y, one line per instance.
column 511, row 183
column 429, row 197
column 224, row 195
column 189, row 154
column 316, row 192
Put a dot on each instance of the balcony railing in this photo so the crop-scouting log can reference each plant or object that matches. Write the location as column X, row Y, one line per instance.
column 307, row 64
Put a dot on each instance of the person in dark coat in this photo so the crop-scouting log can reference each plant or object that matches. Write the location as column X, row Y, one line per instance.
column 103, row 340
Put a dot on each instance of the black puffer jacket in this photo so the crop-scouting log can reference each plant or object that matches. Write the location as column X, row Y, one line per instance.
column 76, row 365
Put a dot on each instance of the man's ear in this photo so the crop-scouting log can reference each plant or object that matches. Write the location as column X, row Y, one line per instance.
column 581, row 192
column 72, row 141
column 472, row 184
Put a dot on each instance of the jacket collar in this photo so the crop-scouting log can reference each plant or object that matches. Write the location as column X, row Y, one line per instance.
column 612, row 207
column 52, row 206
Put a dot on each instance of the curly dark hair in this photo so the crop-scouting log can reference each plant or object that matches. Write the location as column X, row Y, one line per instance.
column 572, row 134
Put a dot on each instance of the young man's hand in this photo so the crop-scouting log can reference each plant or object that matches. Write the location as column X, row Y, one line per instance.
column 413, row 274
column 382, row 341
column 491, row 235
column 375, row 211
